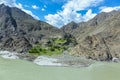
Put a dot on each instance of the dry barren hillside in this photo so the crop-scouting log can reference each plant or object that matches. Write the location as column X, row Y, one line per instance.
column 99, row 38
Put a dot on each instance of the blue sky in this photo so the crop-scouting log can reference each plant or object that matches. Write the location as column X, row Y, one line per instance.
column 45, row 7
column 61, row 12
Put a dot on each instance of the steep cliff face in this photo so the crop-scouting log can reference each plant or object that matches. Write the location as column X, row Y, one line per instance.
column 19, row 31
column 99, row 38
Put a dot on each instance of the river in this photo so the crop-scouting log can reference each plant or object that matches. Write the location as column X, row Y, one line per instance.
column 24, row 70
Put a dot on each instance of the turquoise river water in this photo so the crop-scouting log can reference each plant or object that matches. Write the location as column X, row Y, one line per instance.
column 23, row 70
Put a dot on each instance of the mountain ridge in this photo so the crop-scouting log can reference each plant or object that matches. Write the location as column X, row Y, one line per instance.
column 16, row 25
column 99, row 37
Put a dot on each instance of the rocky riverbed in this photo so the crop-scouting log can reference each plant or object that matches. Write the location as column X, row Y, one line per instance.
column 65, row 59
column 61, row 60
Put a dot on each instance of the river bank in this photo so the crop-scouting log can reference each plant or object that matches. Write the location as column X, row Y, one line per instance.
column 64, row 60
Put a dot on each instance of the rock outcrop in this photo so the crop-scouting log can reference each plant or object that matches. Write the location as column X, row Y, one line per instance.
column 99, row 38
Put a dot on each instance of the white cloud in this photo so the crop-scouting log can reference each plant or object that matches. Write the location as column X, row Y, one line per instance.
column 12, row 3
column 69, row 12
column 43, row 9
column 45, row 6
column 35, row 7
column 109, row 9
column 89, row 15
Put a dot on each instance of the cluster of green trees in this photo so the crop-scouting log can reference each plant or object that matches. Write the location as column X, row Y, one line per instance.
column 53, row 46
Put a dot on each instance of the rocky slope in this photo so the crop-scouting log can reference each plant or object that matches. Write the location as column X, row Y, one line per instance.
column 19, row 31
column 99, row 38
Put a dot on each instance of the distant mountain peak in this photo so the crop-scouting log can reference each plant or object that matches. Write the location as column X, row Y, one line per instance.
column 15, row 24
column 1, row 5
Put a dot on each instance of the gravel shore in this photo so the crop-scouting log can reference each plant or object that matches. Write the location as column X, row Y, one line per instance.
column 65, row 59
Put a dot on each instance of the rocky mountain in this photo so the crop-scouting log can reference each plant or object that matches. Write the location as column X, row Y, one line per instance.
column 99, row 38
column 19, row 31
